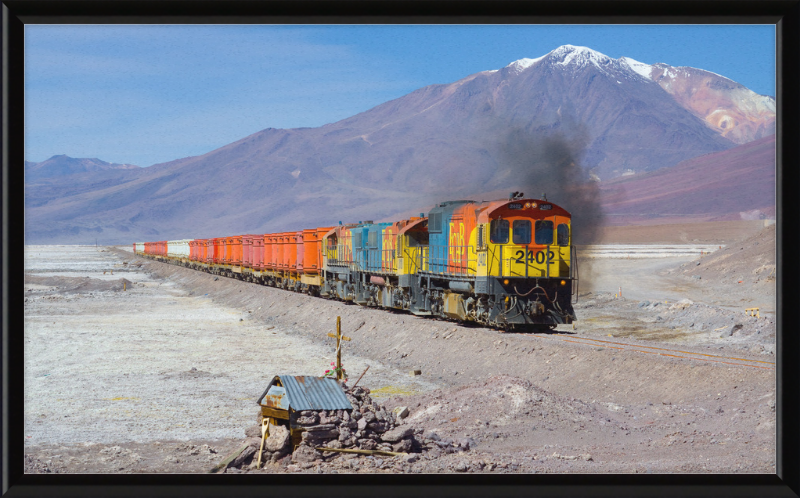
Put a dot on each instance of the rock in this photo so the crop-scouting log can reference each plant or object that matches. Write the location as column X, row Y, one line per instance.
column 461, row 467
column 644, row 303
column 384, row 447
column 362, row 424
column 733, row 329
column 404, row 446
column 333, row 444
column 320, row 427
column 307, row 419
column 397, row 434
column 253, row 431
column 434, row 452
column 370, row 417
column 401, row 412
column 411, row 458
column 380, row 415
column 344, row 433
column 319, row 436
column 377, row 426
column 587, row 457
column 278, row 438
column 243, row 457
column 467, row 443
column 367, row 444
column 345, row 416
column 304, row 454
column 698, row 277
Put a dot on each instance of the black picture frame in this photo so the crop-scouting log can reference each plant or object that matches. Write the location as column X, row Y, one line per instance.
column 17, row 13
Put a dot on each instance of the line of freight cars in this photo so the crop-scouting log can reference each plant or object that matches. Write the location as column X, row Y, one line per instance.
column 507, row 264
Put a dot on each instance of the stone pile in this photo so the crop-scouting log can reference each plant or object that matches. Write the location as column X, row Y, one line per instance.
column 368, row 427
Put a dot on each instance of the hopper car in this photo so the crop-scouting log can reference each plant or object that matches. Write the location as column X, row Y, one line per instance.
column 508, row 264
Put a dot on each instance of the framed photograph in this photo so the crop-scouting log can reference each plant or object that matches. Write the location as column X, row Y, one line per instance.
column 514, row 247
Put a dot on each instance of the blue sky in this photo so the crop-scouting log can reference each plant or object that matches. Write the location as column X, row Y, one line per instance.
column 150, row 94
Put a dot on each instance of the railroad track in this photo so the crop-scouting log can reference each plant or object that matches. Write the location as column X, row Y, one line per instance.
column 669, row 352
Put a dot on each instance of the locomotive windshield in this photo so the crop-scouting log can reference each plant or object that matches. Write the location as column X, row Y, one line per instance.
column 544, row 232
column 522, row 232
column 499, row 232
column 563, row 234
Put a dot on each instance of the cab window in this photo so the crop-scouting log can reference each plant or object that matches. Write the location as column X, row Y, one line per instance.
column 544, row 232
column 562, row 234
column 522, row 232
column 499, row 232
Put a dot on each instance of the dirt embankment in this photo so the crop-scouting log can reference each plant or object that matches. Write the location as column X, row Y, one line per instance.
column 514, row 402
column 744, row 266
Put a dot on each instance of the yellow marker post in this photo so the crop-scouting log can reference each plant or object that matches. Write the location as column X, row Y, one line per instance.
column 339, row 337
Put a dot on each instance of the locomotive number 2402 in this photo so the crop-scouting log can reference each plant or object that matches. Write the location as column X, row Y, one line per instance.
column 530, row 256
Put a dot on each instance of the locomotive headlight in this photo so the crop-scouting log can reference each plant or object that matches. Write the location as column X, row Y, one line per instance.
column 505, row 282
column 563, row 282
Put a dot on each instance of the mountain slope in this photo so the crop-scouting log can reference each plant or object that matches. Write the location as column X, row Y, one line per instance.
column 63, row 165
column 571, row 110
column 727, row 107
column 738, row 183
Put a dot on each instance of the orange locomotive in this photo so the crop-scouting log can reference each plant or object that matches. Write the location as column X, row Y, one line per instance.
column 507, row 263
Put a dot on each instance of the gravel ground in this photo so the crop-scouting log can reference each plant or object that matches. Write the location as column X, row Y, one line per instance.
column 530, row 402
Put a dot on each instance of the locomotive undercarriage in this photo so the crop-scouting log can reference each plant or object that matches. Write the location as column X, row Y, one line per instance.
column 533, row 303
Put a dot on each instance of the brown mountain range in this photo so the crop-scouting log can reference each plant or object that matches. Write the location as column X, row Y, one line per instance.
column 542, row 122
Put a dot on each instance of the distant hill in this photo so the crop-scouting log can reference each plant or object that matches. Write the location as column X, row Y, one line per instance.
column 736, row 184
column 546, row 124
column 64, row 165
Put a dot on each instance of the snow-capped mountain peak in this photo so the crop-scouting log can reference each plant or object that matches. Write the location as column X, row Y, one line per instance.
column 523, row 64
column 571, row 55
column 639, row 67
column 581, row 56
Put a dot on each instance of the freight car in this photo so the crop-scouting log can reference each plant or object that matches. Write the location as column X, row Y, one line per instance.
column 509, row 264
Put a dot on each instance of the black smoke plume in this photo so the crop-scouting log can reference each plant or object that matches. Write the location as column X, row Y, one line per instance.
column 552, row 165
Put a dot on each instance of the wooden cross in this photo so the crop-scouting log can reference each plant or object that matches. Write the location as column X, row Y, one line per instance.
column 339, row 337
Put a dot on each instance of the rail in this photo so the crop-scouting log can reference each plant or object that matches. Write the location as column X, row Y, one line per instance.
column 371, row 260
column 448, row 260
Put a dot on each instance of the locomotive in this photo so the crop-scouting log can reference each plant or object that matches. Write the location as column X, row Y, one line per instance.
column 508, row 264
